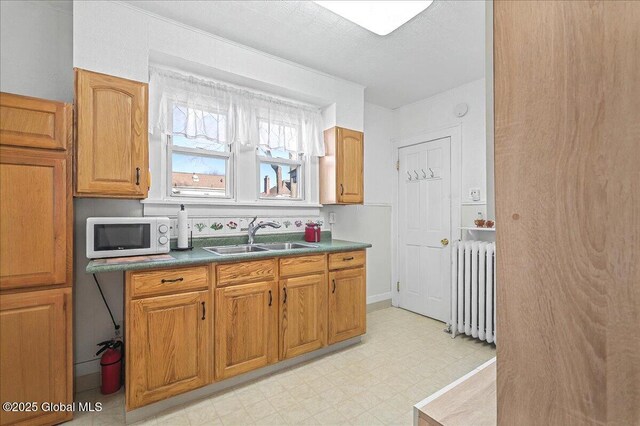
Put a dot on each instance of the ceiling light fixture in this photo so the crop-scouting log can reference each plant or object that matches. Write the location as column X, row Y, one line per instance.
column 380, row 17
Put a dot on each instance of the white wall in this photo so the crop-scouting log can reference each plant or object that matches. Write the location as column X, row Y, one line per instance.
column 371, row 222
column 35, row 41
column 436, row 113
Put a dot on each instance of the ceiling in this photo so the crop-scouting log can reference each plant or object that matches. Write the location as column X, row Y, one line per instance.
column 441, row 48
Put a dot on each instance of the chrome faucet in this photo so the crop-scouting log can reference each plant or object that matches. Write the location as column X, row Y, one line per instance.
column 252, row 229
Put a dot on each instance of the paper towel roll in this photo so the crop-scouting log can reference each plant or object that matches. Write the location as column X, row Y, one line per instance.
column 183, row 228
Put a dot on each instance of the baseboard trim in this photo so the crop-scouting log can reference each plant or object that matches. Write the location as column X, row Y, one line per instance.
column 86, row 382
column 376, row 306
column 158, row 407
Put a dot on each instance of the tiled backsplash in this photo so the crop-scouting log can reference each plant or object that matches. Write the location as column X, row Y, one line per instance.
column 218, row 226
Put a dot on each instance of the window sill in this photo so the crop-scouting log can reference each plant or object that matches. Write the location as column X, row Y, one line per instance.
column 229, row 202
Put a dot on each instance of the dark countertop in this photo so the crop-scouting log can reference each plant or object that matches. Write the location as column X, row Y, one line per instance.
column 199, row 256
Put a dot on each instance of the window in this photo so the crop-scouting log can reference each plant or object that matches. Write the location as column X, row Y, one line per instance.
column 200, row 166
column 280, row 171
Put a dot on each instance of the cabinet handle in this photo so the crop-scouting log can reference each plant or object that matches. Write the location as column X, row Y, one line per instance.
column 270, row 298
column 341, row 189
column 137, row 175
column 334, row 286
column 285, row 295
column 203, row 311
column 344, row 259
column 175, row 280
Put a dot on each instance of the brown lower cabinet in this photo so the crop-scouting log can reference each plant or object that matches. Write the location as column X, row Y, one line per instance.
column 347, row 304
column 262, row 311
column 303, row 314
column 170, row 342
column 246, row 328
column 35, row 359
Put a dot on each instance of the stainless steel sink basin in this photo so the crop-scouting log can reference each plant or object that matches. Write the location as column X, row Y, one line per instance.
column 253, row 248
column 286, row 246
column 240, row 249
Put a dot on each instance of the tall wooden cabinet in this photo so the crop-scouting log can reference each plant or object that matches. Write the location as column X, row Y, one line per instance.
column 112, row 157
column 36, row 246
column 342, row 167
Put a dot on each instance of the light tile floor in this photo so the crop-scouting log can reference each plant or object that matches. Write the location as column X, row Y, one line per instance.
column 403, row 358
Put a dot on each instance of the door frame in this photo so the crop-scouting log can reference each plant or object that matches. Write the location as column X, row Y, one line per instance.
column 454, row 134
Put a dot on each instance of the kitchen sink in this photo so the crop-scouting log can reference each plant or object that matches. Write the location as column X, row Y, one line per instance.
column 240, row 249
column 254, row 248
column 286, row 246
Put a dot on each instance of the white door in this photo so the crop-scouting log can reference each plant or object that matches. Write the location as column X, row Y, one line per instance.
column 425, row 228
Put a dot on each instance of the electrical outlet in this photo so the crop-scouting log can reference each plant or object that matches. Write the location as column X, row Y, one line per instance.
column 332, row 218
column 118, row 331
column 474, row 194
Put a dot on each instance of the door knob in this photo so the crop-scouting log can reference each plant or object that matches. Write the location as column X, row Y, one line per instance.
column 444, row 242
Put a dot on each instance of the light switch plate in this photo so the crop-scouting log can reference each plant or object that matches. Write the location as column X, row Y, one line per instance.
column 332, row 218
column 474, row 194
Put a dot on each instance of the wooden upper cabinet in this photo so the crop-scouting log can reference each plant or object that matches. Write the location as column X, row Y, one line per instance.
column 170, row 346
column 347, row 304
column 36, row 218
column 246, row 322
column 342, row 167
column 112, row 157
column 303, row 315
column 35, row 354
column 34, row 123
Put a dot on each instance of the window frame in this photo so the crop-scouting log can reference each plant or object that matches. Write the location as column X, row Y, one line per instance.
column 228, row 156
column 302, row 164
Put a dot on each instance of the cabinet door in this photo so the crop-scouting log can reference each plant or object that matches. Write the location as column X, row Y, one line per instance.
column 350, row 166
column 169, row 346
column 347, row 304
column 111, row 148
column 35, row 218
column 303, row 315
column 36, row 353
column 246, row 324
column 34, row 123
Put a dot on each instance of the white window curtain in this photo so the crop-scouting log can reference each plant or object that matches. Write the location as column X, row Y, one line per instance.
column 211, row 109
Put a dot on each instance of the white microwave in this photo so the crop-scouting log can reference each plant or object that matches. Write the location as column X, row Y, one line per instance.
column 127, row 236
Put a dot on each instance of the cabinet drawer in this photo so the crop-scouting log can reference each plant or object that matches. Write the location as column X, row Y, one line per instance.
column 347, row 259
column 151, row 283
column 290, row 266
column 244, row 272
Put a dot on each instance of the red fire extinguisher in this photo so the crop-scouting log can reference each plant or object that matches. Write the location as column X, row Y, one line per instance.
column 111, row 363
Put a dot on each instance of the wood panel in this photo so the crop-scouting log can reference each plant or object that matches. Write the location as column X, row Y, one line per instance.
column 168, row 346
column 246, row 328
column 34, row 123
column 36, row 218
column 167, row 281
column 36, row 353
column 472, row 401
column 111, row 130
column 350, row 166
column 245, row 272
column 567, row 132
column 328, row 164
column 347, row 304
column 302, row 265
column 303, row 315
column 347, row 259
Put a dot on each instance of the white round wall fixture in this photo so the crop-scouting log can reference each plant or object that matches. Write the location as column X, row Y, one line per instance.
column 461, row 110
